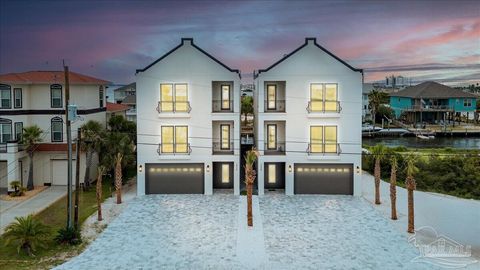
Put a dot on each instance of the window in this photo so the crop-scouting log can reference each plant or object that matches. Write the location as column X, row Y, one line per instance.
column 101, row 98
column 5, row 131
column 323, row 97
column 226, row 97
column 225, row 137
column 17, row 96
column 18, row 131
column 272, row 173
column 467, row 103
column 225, row 173
column 56, row 96
column 174, row 98
column 323, row 139
column 271, row 137
column 271, row 96
column 174, row 139
column 57, row 129
column 5, row 96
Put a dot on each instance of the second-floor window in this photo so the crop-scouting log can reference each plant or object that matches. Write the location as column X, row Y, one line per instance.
column 57, row 129
column 323, row 97
column 225, row 137
column 271, row 137
column 226, row 97
column 174, row 139
column 18, row 131
column 174, row 98
column 5, row 131
column 56, row 96
column 271, row 97
column 101, row 96
column 17, row 97
column 323, row 139
column 467, row 103
column 5, row 97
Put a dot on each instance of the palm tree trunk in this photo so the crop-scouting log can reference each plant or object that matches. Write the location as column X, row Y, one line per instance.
column 86, row 178
column 118, row 179
column 249, row 204
column 377, row 181
column 30, row 172
column 393, row 192
column 411, row 207
column 99, row 196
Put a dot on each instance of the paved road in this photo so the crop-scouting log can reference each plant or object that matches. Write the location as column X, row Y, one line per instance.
column 9, row 210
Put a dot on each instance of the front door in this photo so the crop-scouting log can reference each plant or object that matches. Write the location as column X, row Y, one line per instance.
column 223, row 175
column 274, row 177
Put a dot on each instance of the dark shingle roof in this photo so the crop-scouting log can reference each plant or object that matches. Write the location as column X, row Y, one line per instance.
column 432, row 90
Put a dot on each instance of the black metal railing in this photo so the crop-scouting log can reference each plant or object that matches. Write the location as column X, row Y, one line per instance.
column 277, row 148
column 222, row 105
column 426, row 107
column 274, row 106
column 323, row 106
column 222, row 148
column 324, row 148
column 174, row 149
column 174, row 107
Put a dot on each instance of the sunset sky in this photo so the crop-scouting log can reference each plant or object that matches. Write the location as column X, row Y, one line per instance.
column 438, row 40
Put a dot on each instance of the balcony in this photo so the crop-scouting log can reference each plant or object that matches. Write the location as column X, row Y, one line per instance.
column 174, row 107
column 3, row 147
column 324, row 149
column 429, row 108
column 11, row 147
column 219, row 148
column 274, row 106
column 174, row 149
column 323, row 106
column 277, row 148
column 222, row 106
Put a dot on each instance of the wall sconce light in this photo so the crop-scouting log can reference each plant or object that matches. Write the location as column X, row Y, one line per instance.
column 358, row 170
column 208, row 168
column 140, row 168
column 290, row 168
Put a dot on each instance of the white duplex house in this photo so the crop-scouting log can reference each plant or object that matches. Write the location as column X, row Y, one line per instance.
column 309, row 111
column 188, row 123
column 38, row 98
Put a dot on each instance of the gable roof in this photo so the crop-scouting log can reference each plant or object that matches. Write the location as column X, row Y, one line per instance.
column 127, row 87
column 190, row 40
column 432, row 90
column 49, row 77
column 114, row 107
column 301, row 47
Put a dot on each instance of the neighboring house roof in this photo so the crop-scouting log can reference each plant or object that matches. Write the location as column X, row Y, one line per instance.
column 49, row 77
column 432, row 90
column 130, row 99
column 301, row 47
column 196, row 47
column 114, row 107
column 127, row 87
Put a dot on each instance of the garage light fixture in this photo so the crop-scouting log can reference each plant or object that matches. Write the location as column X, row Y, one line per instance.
column 358, row 169
column 290, row 168
column 208, row 168
column 140, row 168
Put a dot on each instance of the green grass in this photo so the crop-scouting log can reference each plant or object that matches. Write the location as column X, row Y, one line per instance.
column 55, row 217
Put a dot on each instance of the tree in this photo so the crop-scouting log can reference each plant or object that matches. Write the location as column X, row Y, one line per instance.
column 410, row 169
column 26, row 233
column 393, row 188
column 378, row 153
column 91, row 141
column 118, row 123
column 100, row 172
column 375, row 99
column 247, row 106
column 30, row 138
column 250, row 158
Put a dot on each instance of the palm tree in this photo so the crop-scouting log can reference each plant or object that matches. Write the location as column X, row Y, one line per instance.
column 375, row 99
column 100, row 172
column 91, row 140
column 378, row 153
column 393, row 188
column 118, row 176
column 250, row 158
column 411, row 185
column 30, row 138
column 26, row 233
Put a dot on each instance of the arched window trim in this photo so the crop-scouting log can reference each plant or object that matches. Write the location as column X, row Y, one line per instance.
column 56, row 120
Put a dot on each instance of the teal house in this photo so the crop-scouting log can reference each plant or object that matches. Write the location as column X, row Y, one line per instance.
column 432, row 102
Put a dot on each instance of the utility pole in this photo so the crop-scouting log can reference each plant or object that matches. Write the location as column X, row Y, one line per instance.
column 77, row 177
column 69, row 145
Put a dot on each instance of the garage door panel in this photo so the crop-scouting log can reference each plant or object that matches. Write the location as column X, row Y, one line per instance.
column 323, row 179
column 60, row 172
column 185, row 178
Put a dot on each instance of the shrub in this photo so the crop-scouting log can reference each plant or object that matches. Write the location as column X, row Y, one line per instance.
column 69, row 236
column 26, row 233
column 18, row 190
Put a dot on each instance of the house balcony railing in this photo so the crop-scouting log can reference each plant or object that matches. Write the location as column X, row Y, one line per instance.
column 277, row 149
column 11, row 147
column 324, row 149
column 416, row 108
column 174, row 107
column 3, row 148
column 222, row 105
column 324, row 106
column 219, row 148
column 174, row 149
column 274, row 106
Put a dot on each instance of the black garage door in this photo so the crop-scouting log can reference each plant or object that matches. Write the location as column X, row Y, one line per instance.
column 178, row 178
column 323, row 179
